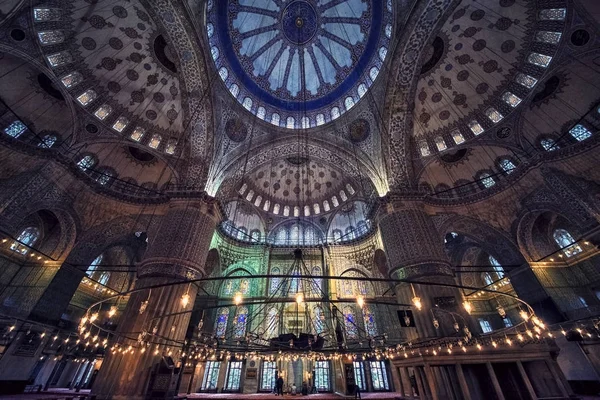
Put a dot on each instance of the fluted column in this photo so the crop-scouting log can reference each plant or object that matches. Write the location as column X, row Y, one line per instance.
column 415, row 251
column 177, row 252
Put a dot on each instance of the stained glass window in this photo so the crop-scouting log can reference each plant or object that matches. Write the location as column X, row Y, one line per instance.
column 211, row 376
column 476, row 128
column 497, row 267
column 94, row 266
column 485, row 325
column 317, row 208
column 58, row 59
column 359, row 375
column 103, row 111
column 538, row 59
column 25, row 240
column 335, row 113
column 326, row 206
column 379, row 375
column 548, row 37
column 507, row 165
column 424, row 148
column 241, row 319
column 87, row 97
column 86, row 163
column 317, row 282
column 526, row 80
column 322, row 376
column 103, row 278
column 507, row 322
column 320, row 119
column 511, row 99
column 580, row 132
column 171, row 146
column 369, row 319
column 72, row 79
column 221, row 323
column 349, row 102
column 275, row 282
column 138, row 134
column 549, row 144
column 494, row 115
column 51, row 37
column 487, row 278
column 47, row 141
column 486, row 180
column 553, row 14
column 15, row 129
column 120, row 124
column 458, row 137
column 350, row 323
column 566, row 242
column 335, row 201
column 155, row 141
column 261, row 112
column 319, row 321
column 234, row 374
column 275, row 119
column 269, row 375
column 46, row 14
column 272, row 329
column 440, row 143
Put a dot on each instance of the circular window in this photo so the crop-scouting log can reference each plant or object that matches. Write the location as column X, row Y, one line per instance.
column 17, row 34
column 580, row 37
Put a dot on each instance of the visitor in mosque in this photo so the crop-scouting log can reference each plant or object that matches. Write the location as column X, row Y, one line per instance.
column 226, row 198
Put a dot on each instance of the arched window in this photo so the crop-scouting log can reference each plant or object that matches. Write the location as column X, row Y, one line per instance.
column 497, row 267
column 221, row 322
column 486, row 180
column 487, row 278
column 272, row 323
column 337, row 235
column 549, row 144
column 86, row 162
column 317, row 208
column 319, row 322
column 104, row 177
column 317, row 282
column 25, row 240
column 294, row 284
column 103, row 278
column 155, row 141
column 326, row 206
column 255, row 235
column 580, row 132
column 346, row 288
column 275, row 282
column 370, row 324
column 440, row 143
column 349, row 233
column 244, row 286
column 15, row 129
column 566, row 242
column 94, row 265
column 47, row 141
column 506, row 165
column 241, row 319
column 350, row 323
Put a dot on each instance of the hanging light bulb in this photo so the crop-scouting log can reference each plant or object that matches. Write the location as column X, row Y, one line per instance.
column 143, row 306
column 468, row 307
column 360, row 300
column 237, row 299
column 299, row 298
column 520, row 337
column 478, row 346
column 524, row 315
column 112, row 311
column 436, row 323
column 417, row 302
column 508, row 341
column 456, row 326
column 185, row 300
column 94, row 317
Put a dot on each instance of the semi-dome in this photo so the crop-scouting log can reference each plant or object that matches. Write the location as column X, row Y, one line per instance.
column 299, row 63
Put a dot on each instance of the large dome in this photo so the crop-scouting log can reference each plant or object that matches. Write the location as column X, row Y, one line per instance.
column 299, row 63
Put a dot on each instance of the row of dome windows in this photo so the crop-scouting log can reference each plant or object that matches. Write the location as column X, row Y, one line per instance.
column 579, row 132
column 74, row 78
column 316, row 207
column 305, row 122
column 508, row 97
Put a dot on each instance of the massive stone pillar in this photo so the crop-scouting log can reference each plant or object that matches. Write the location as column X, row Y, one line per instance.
column 177, row 252
column 415, row 251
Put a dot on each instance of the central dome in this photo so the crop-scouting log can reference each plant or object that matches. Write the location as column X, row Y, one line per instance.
column 299, row 63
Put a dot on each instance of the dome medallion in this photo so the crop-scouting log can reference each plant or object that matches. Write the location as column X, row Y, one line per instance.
column 299, row 63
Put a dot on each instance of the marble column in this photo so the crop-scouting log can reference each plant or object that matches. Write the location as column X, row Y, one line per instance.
column 415, row 251
column 177, row 252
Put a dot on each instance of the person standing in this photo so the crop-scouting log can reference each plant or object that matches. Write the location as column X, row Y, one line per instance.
column 279, row 385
